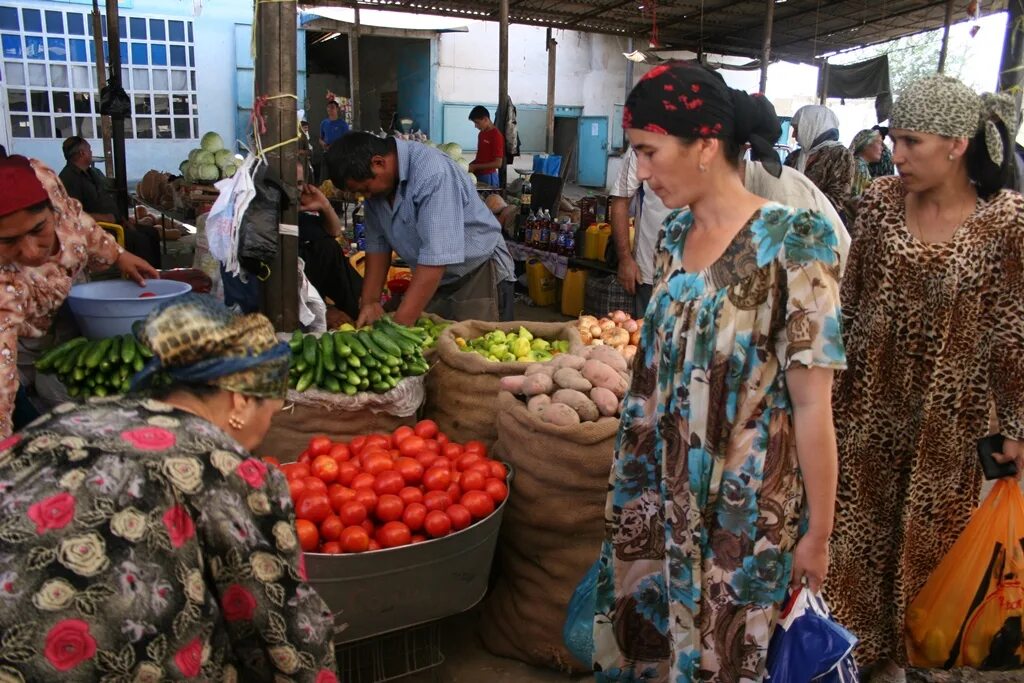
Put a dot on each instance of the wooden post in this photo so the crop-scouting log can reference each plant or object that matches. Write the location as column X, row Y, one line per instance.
column 276, row 75
column 766, row 50
column 101, row 80
column 823, row 82
column 117, row 123
column 353, row 66
column 502, row 114
column 944, row 50
column 1011, row 68
column 552, row 48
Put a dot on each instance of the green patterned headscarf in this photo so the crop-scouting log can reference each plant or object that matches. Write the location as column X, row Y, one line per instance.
column 863, row 139
column 195, row 339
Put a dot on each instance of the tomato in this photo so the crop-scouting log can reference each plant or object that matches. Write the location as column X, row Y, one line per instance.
column 472, row 481
column 271, row 460
column 147, row 295
column 498, row 470
column 305, row 458
column 314, row 507
column 452, row 451
column 325, row 468
column 400, row 434
column 426, row 429
column 410, row 469
column 377, row 463
column 454, row 491
column 354, row 539
column 340, row 452
column 388, row 481
column 352, row 513
column 296, row 487
column 411, row 494
column 437, row 500
column 347, row 471
column 442, row 439
column 437, row 524
column 319, row 445
column 436, row 479
column 363, row 480
column 432, row 446
column 443, row 462
column 374, row 545
column 413, row 515
column 369, row 527
column 477, row 447
column 467, row 461
column 389, row 508
column 357, row 444
column 367, row 497
column 330, row 528
column 411, row 446
column 418, row 538
column 394, row 534
column 478, row 503
column 456, row 477
column 339, row 495
column 295, row 470
column 309, row 537
column 377, row 441
column 496, row 489
column 483, row 467
column 315, row 485
column 331, row 548
column 459, row 516
column 426, row 458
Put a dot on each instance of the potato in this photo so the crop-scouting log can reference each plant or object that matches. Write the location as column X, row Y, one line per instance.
column 560, row 414
column 513, row 383
column 579, row 402
column 607, row 403
column 608, row 356
column 568, row 378
column 540, row 383
column 540, row 369
column 538, row 403
column 566, row 360
column 602, row 375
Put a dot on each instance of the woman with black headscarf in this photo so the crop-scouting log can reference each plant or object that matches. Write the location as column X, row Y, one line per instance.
column 726, row 451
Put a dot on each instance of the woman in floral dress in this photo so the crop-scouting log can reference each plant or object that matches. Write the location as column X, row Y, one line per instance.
column 140, row 541
column 723, row 484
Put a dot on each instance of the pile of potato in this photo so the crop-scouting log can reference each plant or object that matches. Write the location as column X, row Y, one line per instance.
column 574, row 388
column 619, row 331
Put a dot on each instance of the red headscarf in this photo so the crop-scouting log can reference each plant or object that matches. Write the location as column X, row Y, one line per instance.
column 19, row 186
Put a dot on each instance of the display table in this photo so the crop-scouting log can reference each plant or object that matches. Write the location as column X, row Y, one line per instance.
column 556, row 263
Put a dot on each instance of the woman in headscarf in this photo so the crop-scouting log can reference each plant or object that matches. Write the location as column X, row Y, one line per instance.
column 726, row 441
column 884, row 165
column 933, row 304
column 142, row 541
column 822, row 157
column 867, row 149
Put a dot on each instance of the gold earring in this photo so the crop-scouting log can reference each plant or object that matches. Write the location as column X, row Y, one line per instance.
column 951, row 157
column 235, row 422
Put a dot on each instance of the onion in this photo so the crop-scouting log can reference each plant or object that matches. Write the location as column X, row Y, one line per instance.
column 615, row 337
column 630, row 326
column 587, row 321
column 586, row 337
column 596, row 331
column 619, row 316
column 634, row 338
column 607, row 324
column 628, row 352
column 597, row 342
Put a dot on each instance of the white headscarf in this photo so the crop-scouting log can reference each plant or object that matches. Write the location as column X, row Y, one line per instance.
column 811, row 122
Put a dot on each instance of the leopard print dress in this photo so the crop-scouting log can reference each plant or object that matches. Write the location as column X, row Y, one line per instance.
column 933, row 333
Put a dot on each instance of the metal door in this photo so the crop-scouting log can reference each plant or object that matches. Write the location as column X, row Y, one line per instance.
column 593, row 151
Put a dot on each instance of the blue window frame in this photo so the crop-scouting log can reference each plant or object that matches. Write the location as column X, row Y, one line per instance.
column 140, row 55
column 138, row 26
column 11, row 45
column 54, row 22
column 157, row 30
column 78, row 50
column 76, row 24
column 124, row 53
column 178, row 55
column 9, row 19
column 159, row 54
column 32, row 20
column 177, row 30
column 56, row 49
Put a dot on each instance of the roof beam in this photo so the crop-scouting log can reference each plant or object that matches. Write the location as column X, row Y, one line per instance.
column 922, row 8
column 598, row 12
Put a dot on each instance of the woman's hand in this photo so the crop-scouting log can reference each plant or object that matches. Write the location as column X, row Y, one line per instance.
column 810, row 561
column 1012, row 451
column 136, row 269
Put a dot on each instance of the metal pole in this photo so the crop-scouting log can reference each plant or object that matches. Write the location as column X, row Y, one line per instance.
column 117, row 123
column 629, row 69
column 823, row 83
column 945, row 35
column 353, row 62
column 276, row 74
column 552, row 49
column 1011, row 68
column 101, row 80
column 766, row 50
column 503, row 113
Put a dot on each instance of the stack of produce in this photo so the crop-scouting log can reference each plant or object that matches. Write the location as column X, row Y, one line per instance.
column 349, row 361
column 432, row 329
column 618, row 330
column 104, row 367
column 384, row 491
column 209, row 162
column 573, row 388
column 511, row 347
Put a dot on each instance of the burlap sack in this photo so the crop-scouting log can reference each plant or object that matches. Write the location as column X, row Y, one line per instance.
column 551, row 533
column 462, row 387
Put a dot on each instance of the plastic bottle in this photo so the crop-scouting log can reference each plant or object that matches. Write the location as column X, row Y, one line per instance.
column 532, row 233
column 545, row 231
column 557, row 238
column 570, row 241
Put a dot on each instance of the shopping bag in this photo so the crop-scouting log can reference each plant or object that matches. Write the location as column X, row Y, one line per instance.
column 578, row 632
column 808, row 645
column 969, row 612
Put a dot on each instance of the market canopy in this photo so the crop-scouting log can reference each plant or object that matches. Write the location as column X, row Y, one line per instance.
column 803, row 29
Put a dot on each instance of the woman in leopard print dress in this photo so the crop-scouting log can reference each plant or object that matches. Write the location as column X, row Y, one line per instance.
column 933, row 304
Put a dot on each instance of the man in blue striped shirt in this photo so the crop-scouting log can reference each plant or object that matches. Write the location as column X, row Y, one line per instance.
column 425, row 207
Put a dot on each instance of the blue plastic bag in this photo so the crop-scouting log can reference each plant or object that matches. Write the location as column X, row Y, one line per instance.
column 578, row 632
column 808, row 645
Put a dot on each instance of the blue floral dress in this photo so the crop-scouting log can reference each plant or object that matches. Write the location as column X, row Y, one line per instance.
column 705, row 497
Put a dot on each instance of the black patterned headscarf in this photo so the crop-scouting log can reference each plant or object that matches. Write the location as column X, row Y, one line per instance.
column 690, row 101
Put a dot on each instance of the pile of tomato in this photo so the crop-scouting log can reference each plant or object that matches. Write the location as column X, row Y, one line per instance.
column 384, row 491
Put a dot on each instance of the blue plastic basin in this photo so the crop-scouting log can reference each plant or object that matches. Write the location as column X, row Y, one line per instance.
column 108, row 308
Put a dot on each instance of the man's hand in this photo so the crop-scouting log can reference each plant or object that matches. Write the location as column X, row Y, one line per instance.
column 369, row 313
column 136, row 268
column 629, row 273
column 336, row 318
column 312, row 199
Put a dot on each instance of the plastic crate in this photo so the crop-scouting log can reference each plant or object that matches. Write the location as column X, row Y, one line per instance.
column 392, row 656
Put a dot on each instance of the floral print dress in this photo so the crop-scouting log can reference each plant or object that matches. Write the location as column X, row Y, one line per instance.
column 705, row 497
column 140, row 543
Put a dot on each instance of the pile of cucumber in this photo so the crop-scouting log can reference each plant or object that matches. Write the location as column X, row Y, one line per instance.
column 103, row 367
column 347, row 362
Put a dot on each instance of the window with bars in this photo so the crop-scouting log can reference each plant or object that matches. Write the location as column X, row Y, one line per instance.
column 49, row 73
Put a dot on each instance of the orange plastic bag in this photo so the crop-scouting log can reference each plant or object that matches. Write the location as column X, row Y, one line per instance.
column 970, row 611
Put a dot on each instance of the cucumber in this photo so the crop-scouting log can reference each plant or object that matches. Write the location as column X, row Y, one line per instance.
column 142, row 349
column 352, row 378
column 327, row 351
column 52, row 358
column 128, row 349
column 363, row 372
column 114, row 352
column 354, row 361
column 354, row 343
column 342, row 349
column 384, row 342
column 349, row 389
column 371, row 362
column 318, row 372
column 305, row 381
column 416, row 369
column 139, row 363
column 296, row 341
column 374, row 377
column 364, row 384
column 332, row 384
column 381, row 387
column 309, row 347
column 97, row 355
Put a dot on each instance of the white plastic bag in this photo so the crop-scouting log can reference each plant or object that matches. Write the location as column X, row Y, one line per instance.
column 222, row 225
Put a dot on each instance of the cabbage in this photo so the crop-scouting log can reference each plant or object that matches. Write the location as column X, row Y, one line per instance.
column 228, row 170
column 223, row 157
column 193, row 153
column 212, row 142
column 463, row 164
column 452, row 149
column 183, row 168
column 206, row 172
column 204, row 158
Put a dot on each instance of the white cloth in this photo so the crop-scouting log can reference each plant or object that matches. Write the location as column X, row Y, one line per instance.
column 811, row 122
column 794, row 189
column 652, row 216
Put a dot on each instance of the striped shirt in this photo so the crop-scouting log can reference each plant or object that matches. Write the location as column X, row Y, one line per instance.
column 437, row 218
